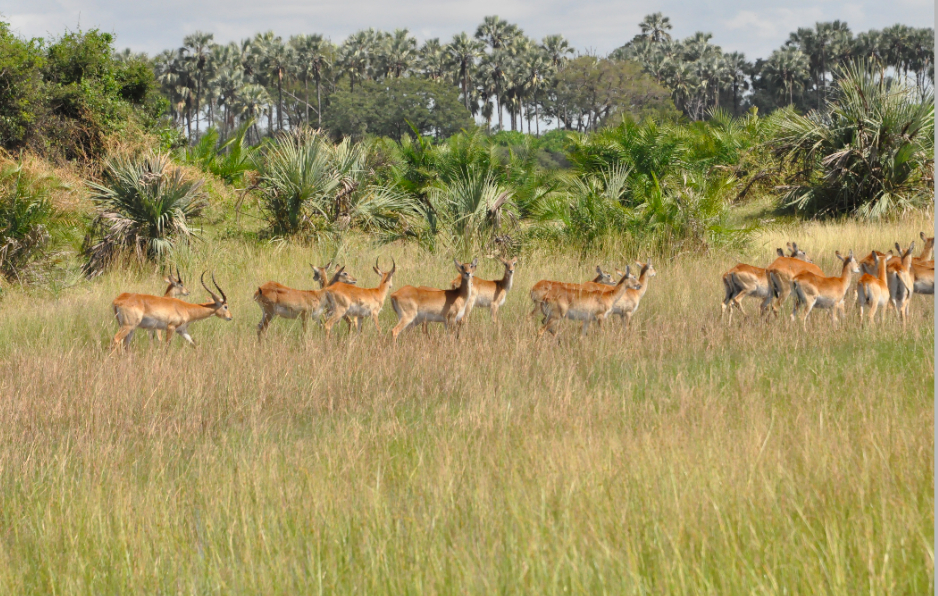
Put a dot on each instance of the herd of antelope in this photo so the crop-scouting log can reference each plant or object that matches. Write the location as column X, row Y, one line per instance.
column 888, row 280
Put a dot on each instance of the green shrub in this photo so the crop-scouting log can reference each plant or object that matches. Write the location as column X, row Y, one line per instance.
column 144, row 206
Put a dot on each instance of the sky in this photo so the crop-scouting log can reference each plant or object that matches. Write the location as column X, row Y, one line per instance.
column 597, row 26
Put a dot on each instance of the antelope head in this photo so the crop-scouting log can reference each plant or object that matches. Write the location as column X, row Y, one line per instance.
column 176, row 284
column 221, row 304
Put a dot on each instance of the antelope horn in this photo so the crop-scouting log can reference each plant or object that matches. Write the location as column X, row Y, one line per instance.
column 213, row 295
column 223, row 297
column 178, row 277
column 393, row 265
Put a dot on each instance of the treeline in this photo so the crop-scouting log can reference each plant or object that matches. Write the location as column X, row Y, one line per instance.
column 508, row 80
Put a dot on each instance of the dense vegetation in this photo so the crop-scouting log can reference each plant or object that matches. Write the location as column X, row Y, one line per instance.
column 305, row 140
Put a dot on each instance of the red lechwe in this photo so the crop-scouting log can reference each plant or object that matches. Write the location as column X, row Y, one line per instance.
column 278, row 300
column 414, row 306
column 143, row 311
column 582, row 304
column 817, row 291
column 346, row 300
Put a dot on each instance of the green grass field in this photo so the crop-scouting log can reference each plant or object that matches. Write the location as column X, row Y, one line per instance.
column 685, row 456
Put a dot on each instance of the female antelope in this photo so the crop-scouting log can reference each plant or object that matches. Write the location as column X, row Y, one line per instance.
column 816, row 291
column 582, row 304
column 277, row 299
column 745, row 280
column 901, row 282
column 489, row 294
column 873, row 291
column 346, row 300
column 626, row 306
column 782, row 272
column 414, row 306
column 540, row 289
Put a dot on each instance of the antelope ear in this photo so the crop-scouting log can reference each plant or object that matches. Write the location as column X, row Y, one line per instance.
column 475, row 262
column 922, row 236
column 839, row 256
column 912, row 246
column 628, row 271
column 649, row 264
column 780, row 252
column 341, row 269
column 328, row 266
column 458, row 266
column 899, row 248
column 850, row 254
column 167, row 279
column 599, row 270
column 788, row 246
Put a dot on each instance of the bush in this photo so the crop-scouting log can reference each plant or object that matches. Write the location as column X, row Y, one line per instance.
column 27, row 220
column 144, row 206
column 868, row 154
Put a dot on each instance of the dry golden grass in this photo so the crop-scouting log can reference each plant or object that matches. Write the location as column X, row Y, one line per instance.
column 685, row 456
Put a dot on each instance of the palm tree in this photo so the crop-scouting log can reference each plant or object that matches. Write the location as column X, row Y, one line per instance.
column 497, row 32
column 492, row 72
column 250, row 102
column 462, row 53
column 356, row 55
column 736, row 69
column 199, row 46
column 819, row 45
column 536, row 67
column 433, row 59
column 312, row 56
column 655, row 27
column 789, row 68
column 557, row 49
column 399, row 52
column 275, row 59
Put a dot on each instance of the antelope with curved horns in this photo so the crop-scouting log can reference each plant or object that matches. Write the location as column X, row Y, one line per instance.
column 540, row 289
column 486, row 293
column 346, row 300
column 277, row 299
column 817, row 291
column 581, row 304
column 781, row 273
column 143, row 311
column 745, row 280
column 414, row 306
column 626, row 306
column 901, row 282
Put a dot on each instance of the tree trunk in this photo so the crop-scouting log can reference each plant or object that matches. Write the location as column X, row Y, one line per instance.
column 279, row 100
column 537, row 117
column 498, row 104
column 318, row 104
column 306, row 96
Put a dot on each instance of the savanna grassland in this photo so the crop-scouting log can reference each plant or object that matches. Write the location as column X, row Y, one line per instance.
column 685, row 455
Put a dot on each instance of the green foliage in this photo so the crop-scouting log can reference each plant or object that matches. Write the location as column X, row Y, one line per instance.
column 144, row 206
column 21, row 87
column 28, row 220
column 65, row 97
column 309, row 184
column 390, row 108
column 228, row 160
column 870, row 153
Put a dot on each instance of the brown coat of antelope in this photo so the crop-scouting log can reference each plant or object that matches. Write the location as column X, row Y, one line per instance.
column 582, row 304
column 142, row 311
column 486, row 293
column 817, row 291
column 175, row 289
column 278, row 300
column 873, row 290
column 901, row 282
column 745, row 280
column 540, row 289
column 626, row 306
column 346, row 300
column 414, row 306
column 782, row 272
column 923, row 267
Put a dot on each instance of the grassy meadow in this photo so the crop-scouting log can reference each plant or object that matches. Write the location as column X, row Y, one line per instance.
column 685, row 456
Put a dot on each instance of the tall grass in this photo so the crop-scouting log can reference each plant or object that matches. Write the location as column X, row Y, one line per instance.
column 685, row 456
